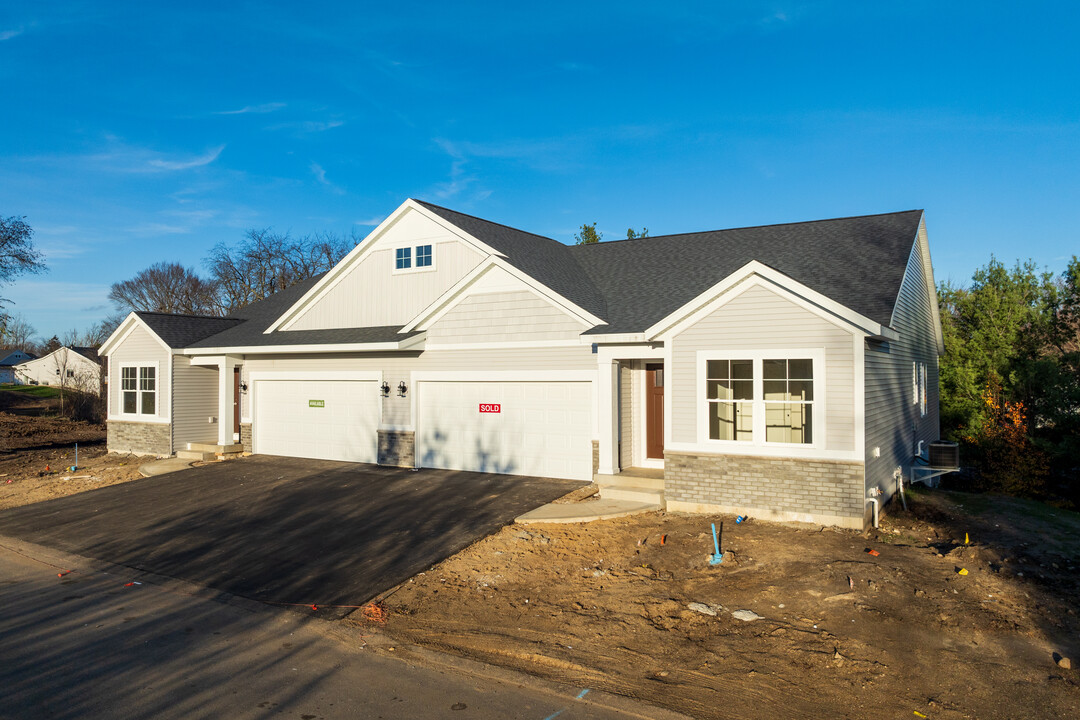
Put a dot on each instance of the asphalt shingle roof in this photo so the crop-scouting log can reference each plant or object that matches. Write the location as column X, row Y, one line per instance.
column 180, row 331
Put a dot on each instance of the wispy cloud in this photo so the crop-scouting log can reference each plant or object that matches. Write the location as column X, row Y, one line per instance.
column 188, row 164
column 371, row 222
column 307, row 127
column 253, row 109
column 8, row 34
column 154, row 228
column 320, row 175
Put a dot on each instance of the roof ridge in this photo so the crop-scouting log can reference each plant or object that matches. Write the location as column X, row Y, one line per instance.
column 185, row 315
column 485, row 220
column 750, row 227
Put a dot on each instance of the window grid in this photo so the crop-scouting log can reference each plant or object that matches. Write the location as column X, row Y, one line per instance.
column 788, row 394
column 423, row 256
column 403, row 258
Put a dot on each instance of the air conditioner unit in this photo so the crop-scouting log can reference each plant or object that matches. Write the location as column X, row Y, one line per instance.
column 944, row 455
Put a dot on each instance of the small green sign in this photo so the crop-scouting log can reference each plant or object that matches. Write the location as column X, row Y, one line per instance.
column 316, row 403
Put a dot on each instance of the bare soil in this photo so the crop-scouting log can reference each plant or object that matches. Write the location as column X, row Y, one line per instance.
column 842, row 632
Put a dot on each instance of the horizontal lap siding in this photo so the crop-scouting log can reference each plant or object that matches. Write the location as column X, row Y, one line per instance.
column 399, row 367
column 503, row 317
column 139, row 347
column 759, row 319
column 194, row 402
column 893, row 421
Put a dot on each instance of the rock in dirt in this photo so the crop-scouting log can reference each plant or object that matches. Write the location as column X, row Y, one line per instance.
column 746, row 615
column 1062, row 662
column 702, row 608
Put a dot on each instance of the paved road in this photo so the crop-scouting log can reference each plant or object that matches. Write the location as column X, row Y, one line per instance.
column 285, row 529
column 91, row 646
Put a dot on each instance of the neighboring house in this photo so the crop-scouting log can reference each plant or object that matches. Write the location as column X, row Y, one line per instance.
column 785, row 371
column 77, row 368
column 10, row 359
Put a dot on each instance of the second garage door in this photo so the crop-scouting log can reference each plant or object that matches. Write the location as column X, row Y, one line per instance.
column 324, row 419
column 516, row 428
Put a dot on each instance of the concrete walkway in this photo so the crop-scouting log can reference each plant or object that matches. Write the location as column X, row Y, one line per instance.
column 160, row 467
column 585, row 511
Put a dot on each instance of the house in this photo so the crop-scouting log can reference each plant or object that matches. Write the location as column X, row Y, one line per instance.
column 76, row 368
column 786, row 371
column 10, row 359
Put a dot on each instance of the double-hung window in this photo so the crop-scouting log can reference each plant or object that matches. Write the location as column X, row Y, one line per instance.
column 138, row 390
column 763, row 398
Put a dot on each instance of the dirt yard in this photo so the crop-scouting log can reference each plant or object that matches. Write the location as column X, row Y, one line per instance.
column 36, row 450
column 633, row 607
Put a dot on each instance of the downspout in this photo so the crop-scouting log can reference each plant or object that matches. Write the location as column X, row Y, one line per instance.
column 874, row 493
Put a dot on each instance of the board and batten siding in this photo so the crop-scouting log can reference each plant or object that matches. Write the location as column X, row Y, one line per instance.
column 140, row 347
column 518, row 316
column 759, row 319
column 195, row 395
column 373, row 294
column 894, row 424
column 397, row 367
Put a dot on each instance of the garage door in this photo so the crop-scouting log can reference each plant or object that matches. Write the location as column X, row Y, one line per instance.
column 517, row 428
column 325, row 419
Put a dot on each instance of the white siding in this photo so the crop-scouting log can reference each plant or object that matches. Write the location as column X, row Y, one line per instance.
column 372, row 294
column 893, row 421
column 397, row 367
column 140, row 347
column 627, row 378
column 503, row 317
column 759, row 319
column 195, row 394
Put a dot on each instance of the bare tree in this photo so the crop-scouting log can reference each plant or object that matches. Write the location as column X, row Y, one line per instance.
column 17, row 254
column 266, row 262
column 17, row 333
column 168, row 288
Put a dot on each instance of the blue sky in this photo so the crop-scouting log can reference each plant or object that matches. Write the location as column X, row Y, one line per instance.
column 134, row 133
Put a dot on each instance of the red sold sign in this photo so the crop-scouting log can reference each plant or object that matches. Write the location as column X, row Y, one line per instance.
column 489, row 407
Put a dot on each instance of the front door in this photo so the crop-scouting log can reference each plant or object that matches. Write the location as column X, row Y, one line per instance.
column 654, row 411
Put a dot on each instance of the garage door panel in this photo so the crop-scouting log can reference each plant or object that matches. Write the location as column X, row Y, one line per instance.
column 344, row 427
column 540, row 429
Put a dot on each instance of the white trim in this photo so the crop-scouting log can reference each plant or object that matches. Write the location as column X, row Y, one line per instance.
column 504, row 376
column 303, row 375
column 501, row 345
column 858, row 359
column 148, row 419
column 141, row 417
column 613, row 338
column 817, row 355
column 653, row 352
column 413, row 246
column 779, row 451
column 124, row 329
column 459, row 291
column 922, row 246
column 406, row 344
column 759, row 274
column 363, row 248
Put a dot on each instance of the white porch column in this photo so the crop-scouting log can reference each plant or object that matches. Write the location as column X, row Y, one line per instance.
column 226, row 365
column 608, row 399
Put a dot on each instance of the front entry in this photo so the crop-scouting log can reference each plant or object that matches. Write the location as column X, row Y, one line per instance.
column 654, row 411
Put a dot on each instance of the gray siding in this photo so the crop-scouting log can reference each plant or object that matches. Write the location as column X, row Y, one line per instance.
column 361, row 297
column 893, row 421
column 397, row 367
column 759, row 319
column 140, row 347
column 503, row 317
column 195, row 395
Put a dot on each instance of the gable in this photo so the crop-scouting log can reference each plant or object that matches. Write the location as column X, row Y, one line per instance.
column 506, row 316
column 367, row 290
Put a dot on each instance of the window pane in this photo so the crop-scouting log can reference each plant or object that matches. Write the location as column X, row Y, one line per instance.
column 146, row 378
column 147, row 403
column 423, row 256
column 789, row 422
column 744, row 421
column 717, row 369
column 775, row 389
column 743, row 389
column 774, row 369
column 719, row 389
column 801, row 369
column 776, row 423
column 801, row 389
column 129, row 402
column 721, row 421
column 742, row 369
column 127, row 378
column 403, row 258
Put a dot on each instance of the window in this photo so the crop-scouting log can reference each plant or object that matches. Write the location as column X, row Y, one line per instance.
column 761, row 400
column 918, row 386
column 403, row 258
column 423, row 256
column 730, row 388
column 138, row 390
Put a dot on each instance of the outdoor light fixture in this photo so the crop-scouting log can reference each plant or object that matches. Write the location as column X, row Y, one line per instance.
column 385, row 387
column 402, row 389
column 243, row 387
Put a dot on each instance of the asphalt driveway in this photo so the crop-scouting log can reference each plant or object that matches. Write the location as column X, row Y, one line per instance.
column 284, row 529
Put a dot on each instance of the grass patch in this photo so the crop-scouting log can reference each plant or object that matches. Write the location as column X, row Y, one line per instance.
column 38, row 391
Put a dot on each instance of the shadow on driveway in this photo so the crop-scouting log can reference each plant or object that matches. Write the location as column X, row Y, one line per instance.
column 285, row 529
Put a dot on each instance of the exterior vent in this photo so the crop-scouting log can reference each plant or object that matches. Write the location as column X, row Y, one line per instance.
column 944, row 455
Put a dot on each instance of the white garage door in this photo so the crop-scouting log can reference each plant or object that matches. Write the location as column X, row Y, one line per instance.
column 517, row 428
column 325, row 419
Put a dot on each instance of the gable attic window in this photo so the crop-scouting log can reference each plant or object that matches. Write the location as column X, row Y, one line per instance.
column 423, row 256
column 403, row 258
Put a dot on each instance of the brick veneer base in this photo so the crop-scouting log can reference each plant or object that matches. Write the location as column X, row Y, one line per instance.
column 397, row 448
column 245, row 436
column 139, row 438
column 819, row 491
column 595, row 456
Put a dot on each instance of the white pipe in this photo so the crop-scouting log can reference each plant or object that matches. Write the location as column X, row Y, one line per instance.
column 876, row 506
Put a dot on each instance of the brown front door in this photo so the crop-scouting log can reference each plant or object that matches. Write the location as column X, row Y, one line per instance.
column 236, row 401
column 654, row 411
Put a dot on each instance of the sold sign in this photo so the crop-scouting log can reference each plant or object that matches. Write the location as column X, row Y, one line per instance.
column 491, row 408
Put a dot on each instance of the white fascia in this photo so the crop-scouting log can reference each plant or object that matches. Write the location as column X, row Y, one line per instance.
column 459, row 291
column 758, row 273
column 365, row 246
column 414, row 343
column 126, row 328
column 613, row 338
